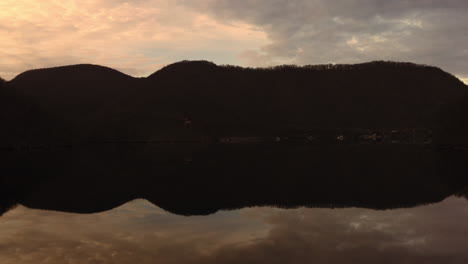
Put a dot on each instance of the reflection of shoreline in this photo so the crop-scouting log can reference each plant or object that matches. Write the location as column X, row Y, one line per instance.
column 355, row 136
column 201, row 179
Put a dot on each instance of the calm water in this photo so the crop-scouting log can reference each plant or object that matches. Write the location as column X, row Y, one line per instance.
column 140, row 232
column 196, row 185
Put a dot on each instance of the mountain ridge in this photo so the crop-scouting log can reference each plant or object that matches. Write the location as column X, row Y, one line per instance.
column 208, row 64
column 67, row 68
column 100, row 103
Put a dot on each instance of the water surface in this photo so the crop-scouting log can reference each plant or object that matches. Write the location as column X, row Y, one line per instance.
column 140, row 232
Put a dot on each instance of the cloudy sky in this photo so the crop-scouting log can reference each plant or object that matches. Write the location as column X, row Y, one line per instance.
column 138, row 37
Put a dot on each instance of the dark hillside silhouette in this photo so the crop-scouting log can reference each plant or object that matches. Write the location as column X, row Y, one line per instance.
column 76, row 94
column 104, row 104
column 24, row 123
column 228, row 99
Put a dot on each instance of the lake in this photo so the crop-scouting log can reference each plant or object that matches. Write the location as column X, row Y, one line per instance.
column 374, row 203
column 140, row 232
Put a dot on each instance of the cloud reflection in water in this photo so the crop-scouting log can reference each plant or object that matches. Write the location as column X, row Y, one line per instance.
column 139, row 232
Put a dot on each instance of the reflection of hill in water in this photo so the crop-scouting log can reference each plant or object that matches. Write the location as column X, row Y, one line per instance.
column 196, row 179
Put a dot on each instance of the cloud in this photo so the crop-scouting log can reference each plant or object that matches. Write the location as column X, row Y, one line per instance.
column 140, row 36
column 320, row 31
column 138, row 232
column 136, row 37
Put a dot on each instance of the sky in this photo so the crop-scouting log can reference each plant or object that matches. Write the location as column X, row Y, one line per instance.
column 139, row 232
column 139, row 37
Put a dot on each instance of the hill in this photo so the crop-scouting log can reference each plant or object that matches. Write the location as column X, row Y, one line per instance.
column 75, row 94
column 77, row 86
column 23, row 122
column 101, row 103
column 229, row 99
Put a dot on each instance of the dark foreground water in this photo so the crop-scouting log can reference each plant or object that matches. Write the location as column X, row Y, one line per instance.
column 140, row 232
column 221, row 204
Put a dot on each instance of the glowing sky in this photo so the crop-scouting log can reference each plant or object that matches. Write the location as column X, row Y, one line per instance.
column 139, row 36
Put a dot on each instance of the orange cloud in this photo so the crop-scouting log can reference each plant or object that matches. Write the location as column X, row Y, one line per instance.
column 136, row 37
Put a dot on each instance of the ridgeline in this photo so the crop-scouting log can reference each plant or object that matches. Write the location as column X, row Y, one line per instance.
column 93, row 103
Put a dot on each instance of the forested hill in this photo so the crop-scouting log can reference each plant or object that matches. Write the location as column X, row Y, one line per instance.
column 73, row 95
column 369, row 95
column 102, row 103
column 73, row 87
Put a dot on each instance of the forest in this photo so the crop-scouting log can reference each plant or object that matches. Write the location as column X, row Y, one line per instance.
column 81, row 103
